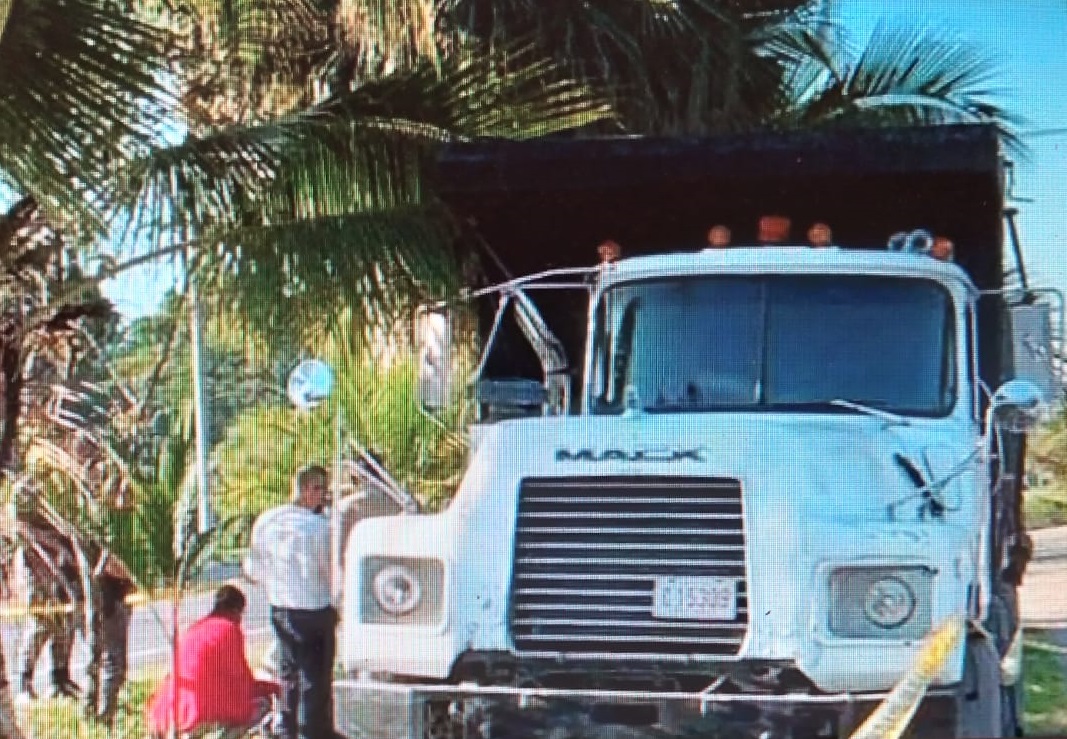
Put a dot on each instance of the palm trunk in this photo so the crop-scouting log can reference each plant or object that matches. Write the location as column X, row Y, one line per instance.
column 11, row 373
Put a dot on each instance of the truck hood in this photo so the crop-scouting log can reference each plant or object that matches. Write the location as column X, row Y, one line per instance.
column 842, row 467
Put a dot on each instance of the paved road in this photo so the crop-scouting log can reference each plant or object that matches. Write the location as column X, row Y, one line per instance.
column 1044, row 591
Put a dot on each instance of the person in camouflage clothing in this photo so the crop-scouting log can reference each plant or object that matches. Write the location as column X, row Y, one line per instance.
column 49, row 587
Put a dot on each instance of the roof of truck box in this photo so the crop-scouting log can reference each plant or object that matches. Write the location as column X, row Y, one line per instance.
column 548, row 202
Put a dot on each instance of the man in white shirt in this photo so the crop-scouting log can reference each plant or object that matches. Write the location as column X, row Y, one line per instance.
column 290, row 556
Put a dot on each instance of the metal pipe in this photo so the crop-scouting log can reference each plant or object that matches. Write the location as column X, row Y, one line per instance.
column 205, row 518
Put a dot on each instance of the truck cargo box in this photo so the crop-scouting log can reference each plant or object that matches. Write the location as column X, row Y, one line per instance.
column 549, row 202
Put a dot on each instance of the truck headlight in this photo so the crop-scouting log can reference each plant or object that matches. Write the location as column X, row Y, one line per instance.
column 396, row 590
column 404, row 591
column 880, row 602
column 889, row 602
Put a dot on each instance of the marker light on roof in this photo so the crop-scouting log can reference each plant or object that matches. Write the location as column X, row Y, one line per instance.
column 719, row 236
column 773, row 229
column 609, row 251
column 942, row 249
column 820, row 235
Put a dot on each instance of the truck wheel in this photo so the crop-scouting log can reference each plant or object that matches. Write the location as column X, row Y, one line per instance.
column 979, row 697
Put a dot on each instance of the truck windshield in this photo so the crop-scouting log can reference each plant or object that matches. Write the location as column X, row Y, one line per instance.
column 775, row 342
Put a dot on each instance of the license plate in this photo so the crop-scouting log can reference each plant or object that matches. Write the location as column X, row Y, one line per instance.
column 695, row 598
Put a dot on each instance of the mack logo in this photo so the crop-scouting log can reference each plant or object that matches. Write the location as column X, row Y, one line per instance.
column 636, row 455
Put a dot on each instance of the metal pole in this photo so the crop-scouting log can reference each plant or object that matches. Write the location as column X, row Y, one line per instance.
column 204, row 514
column 335, row 514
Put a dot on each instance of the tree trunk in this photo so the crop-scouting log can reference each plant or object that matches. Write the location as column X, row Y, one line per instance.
column 11, row 372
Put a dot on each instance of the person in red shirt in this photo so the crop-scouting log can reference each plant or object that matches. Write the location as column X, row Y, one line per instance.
column 216, row 686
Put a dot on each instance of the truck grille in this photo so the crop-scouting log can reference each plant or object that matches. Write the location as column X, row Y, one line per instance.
column 587, row 554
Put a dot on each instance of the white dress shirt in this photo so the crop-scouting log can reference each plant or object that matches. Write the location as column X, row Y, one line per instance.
column 290, row 556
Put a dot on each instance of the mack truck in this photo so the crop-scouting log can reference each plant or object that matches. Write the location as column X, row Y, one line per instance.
column 750, row 420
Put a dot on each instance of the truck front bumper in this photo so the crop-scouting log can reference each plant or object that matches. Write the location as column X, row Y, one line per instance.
column 373, row 709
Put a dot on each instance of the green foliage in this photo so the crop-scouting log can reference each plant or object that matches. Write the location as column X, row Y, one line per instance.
column 1045, row 703
column 80, row 82
column 1046, row 497
column 377, row 395
column 144, row 535
column 904, row 76
column 62, row 717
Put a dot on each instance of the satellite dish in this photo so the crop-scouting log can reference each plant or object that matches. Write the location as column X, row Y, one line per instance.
column 310, row 383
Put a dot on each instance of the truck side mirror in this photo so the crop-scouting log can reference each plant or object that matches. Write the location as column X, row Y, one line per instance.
column 435, row 358
column 1033, row 347
column 1018, row 406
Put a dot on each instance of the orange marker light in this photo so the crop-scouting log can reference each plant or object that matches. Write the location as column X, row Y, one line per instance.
column 719, row 236
column 609, row 251
column 773, row 229
column 942, row 249
column 820, row 235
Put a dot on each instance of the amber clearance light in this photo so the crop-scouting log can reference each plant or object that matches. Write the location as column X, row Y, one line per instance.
column 719, row 236
column 942, row 249
column 609, row 251
column 820, row 235
column 774, row 229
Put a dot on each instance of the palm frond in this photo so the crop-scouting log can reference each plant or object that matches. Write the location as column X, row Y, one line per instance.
column 512, row 91
column 906, row 76
column 80, row 87
column 297, row 274
column 173, row 193
column 671, row 66
column 246, row 61
column 332, row 203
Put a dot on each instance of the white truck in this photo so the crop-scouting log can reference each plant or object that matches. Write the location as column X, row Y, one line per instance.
column 750, row 472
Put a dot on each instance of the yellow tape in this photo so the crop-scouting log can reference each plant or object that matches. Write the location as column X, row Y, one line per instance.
column 53, row 610
column 893, row 715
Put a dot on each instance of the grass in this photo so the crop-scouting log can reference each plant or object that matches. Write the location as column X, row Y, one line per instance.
column 62, row 717
column 1045, row 703
column 1046, row 506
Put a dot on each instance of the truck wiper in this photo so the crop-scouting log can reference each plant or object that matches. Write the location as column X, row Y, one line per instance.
column 851, row 405
column 870, row 411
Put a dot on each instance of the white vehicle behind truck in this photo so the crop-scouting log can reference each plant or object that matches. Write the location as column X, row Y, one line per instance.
column 750, row 471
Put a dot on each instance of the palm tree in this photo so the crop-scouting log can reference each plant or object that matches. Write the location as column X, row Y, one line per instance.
column 304, row 180
column 305, row 189
column 79, row 92
column 708, row 66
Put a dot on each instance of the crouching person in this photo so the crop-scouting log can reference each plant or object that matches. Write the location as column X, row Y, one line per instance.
column 216, row 689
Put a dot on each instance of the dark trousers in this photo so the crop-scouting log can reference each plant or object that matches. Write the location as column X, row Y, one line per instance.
column 107, row 663
column 307, row 642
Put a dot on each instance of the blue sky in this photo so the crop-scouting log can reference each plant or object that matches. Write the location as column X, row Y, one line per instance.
column 1027, row 40
column 1026, row 37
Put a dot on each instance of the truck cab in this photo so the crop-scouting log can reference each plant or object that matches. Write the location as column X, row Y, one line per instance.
column 770, row 470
